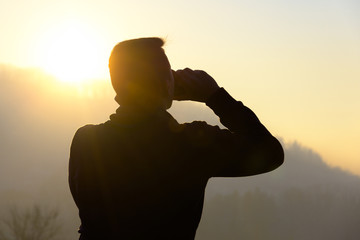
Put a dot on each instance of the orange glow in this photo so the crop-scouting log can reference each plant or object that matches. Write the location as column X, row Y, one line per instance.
column 73, row 52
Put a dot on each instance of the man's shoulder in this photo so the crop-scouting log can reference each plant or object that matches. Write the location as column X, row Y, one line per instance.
column 87, row 131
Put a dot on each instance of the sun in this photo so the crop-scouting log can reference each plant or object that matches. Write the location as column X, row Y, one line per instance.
column 73, row 52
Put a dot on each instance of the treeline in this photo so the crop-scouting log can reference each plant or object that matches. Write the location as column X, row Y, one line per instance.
column 293, row 214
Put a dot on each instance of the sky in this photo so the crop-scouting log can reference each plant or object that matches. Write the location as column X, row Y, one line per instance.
column 295, row 63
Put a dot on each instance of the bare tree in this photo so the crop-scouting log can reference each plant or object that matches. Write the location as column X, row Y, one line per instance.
column 35, row 223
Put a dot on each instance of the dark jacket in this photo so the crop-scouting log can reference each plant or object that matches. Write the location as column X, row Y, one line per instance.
column 136, row 177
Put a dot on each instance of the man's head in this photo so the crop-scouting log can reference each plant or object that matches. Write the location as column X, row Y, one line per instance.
column 141, row 74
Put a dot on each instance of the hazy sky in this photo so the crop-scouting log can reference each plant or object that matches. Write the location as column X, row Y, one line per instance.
column 295, row 63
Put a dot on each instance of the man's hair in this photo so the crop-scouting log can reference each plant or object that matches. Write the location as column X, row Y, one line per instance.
column 138, row 70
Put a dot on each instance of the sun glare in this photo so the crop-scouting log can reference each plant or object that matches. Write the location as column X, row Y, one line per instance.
column 73, row 52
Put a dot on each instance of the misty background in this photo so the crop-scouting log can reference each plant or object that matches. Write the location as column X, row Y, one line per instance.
column 303, row 199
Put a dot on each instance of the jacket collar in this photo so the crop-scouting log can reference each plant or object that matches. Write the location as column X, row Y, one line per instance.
column 133, row 117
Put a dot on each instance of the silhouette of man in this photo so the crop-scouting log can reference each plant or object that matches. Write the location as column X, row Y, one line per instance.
column 141, row 174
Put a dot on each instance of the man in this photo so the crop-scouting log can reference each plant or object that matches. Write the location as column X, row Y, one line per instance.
column 142, row 175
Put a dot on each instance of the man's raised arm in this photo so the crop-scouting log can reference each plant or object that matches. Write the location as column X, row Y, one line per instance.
column 247, row 147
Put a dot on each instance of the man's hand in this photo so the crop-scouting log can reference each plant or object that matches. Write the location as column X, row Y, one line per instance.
column 194, row 85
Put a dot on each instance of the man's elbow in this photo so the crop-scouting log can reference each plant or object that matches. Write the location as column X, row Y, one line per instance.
column 273, row 155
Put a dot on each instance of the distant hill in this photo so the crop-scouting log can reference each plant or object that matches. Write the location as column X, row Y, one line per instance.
column 303, row 199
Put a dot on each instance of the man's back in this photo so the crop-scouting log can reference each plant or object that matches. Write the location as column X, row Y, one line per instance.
column 128, row 187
